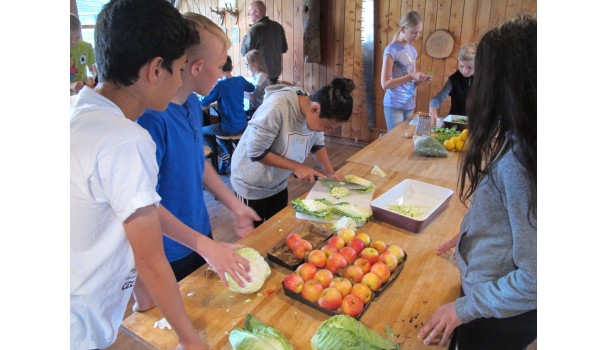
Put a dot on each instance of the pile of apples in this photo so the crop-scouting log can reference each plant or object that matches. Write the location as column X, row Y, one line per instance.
column 345, row 272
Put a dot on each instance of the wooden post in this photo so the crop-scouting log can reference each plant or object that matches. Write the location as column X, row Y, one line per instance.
column 311, row 14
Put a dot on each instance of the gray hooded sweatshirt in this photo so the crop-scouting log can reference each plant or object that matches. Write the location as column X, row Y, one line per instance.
column 277, row 126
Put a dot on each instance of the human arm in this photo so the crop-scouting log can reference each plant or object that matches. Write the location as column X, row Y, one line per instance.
column 387, row 82
column 145, row 237
column 246, row 44
column 220, row 256
column 243, row 215
column 438, row 99
column 211, row 97
column 285, row 46
column 248, row 86
column 445, row 246
column 323, row 157
column 300, row 170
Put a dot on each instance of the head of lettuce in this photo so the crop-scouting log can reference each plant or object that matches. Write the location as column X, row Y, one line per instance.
column 343, row 332
column 260, row 270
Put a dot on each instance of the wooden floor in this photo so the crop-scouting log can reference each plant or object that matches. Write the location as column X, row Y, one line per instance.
column 221, row 220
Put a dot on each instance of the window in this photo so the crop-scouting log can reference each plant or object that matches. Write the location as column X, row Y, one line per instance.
column 87, row 13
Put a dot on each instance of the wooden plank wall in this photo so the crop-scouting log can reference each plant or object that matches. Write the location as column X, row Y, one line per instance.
column 467, row 20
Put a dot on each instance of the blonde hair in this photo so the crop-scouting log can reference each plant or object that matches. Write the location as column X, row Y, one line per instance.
column 467, row 52
column 74, row 23
column 408, row 20
column 205, row 24
column 256, row 60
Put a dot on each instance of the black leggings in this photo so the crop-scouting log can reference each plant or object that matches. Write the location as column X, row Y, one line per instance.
column 267, row 207
column 512, row 333
column 188, row 264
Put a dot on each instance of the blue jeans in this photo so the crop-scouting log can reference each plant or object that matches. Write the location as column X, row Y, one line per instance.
column 210, row 131
column 395, row 116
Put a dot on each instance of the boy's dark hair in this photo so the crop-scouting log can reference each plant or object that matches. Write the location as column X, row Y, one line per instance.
column 130, row 33
column 227, row 67
column 335, row 99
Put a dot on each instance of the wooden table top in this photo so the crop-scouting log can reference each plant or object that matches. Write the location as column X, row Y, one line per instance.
column 394, row 151
column 426, row 282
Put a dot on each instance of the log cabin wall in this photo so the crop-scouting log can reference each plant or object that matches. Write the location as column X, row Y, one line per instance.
column 340, row 22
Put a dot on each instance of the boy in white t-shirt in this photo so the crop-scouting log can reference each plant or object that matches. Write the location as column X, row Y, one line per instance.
column 115, row 233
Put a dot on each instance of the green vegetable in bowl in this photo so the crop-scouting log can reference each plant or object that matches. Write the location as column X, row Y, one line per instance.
column 343, row 332
column 407, row 209
column 460, row 120
column 256, row 335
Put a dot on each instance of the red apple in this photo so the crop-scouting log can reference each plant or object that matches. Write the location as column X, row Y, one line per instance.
column 346, row 234
column 357, row 245
column 352, row 305
column 349, row 253
column 381, row 246
column 342, row 284
column 389, row 259
column 372, row 280
column 324, row 276
column 363, row 237
column 364, row 264
column 370, row 254
column 330, row 299
column 318, row 258
column 336, row 241
column 362, row 291
column 311, row 290
column 353, row 273
column 398, row 251
column 294, row 282
column 302, row 248
column 307, row 270
column 328, row 249
column 382, row 270
column 336, row 261
column 291, row 239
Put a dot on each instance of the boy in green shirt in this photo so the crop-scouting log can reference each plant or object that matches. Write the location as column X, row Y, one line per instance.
column 81, row 56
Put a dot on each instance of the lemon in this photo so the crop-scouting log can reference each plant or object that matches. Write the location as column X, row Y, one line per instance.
column 454, row 139
column 465, row 131
column 459, row 145
column 448, row 145
column 463, row 137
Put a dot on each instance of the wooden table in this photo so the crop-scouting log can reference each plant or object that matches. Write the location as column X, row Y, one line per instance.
column 394, row 151
column 426, row 282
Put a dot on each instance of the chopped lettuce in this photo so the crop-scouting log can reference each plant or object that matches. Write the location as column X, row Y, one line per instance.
column 344, row 222
column 318, row 208
column 343, row 332
column 339, row 192
column 256, row 335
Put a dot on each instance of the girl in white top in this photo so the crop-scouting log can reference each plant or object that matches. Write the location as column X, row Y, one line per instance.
column 257, row 66
column 398, row 75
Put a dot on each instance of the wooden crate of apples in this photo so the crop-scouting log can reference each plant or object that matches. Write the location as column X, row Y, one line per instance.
column 345, row 274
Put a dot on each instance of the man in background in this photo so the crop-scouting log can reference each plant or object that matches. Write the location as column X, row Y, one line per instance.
column 266, row 36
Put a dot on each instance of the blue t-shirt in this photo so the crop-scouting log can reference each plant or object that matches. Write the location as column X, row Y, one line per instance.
column 404, row 56
column 229, row 94
column 180, row 157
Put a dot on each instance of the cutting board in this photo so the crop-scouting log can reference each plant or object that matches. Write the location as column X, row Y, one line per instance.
column 319, row 191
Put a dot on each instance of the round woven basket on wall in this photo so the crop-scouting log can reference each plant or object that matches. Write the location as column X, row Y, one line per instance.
column 440, row 44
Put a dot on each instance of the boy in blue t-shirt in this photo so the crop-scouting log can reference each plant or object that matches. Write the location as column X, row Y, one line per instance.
column 229, row 94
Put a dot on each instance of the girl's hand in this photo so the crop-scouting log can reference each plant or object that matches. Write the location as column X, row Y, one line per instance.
column 419, row 76
column 444, row 247
column 337, row 176
column 434, row 115
column 443, row 321
column 306, row 174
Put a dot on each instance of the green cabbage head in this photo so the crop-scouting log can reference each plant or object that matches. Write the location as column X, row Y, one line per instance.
column 256, row 335
column 260, row 270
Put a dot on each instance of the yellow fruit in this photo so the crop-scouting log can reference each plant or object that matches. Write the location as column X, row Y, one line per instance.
column 459, row 145
column 448, row 145
column 463, row 137
column 465, row 131
column 454, row 139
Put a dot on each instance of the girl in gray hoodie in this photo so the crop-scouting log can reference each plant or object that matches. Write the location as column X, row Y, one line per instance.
column 497, row 244
column 285, row 129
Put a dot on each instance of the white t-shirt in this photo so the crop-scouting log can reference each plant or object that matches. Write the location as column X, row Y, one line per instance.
column 113, row 172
